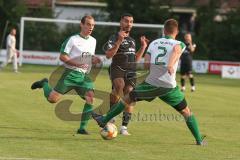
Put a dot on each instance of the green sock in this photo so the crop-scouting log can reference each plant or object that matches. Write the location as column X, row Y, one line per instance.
column 85, row 115
column 46, row 89
column 116, row 109
column 193, row 126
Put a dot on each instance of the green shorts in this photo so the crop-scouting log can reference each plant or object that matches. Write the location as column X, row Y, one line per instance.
column 74, row 80
column 172, row 96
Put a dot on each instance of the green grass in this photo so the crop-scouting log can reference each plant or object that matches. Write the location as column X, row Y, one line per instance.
column 29, row 127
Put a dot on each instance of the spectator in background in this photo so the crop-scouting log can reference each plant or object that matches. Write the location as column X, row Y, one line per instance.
column 186, row 62
column 11, row 50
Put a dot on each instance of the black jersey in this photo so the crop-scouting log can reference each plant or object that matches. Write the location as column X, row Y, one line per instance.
column 186, row 56
column 126, row 52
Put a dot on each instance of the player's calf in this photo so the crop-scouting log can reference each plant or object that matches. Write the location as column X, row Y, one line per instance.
column 54, row 97
column 89, row 97
column 192, row 124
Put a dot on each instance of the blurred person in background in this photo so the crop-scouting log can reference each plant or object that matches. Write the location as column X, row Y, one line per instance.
column 11, row 50
column 186, row 62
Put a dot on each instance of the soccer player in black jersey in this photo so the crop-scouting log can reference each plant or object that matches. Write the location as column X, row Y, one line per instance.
column 122, row 49
column 186, row 62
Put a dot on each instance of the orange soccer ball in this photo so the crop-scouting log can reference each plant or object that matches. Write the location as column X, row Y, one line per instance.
column 109, row 131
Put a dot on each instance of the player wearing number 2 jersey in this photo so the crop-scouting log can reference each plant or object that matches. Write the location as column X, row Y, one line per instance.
column 162, row 59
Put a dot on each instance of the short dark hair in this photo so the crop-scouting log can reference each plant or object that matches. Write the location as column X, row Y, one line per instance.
column 170, row 25
column 83, row 20
column 126, row 15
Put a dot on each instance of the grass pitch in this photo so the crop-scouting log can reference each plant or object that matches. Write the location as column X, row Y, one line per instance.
column 30, row 129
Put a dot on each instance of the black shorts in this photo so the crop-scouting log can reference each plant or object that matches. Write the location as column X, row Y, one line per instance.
column 186, row 68
column 129, row 76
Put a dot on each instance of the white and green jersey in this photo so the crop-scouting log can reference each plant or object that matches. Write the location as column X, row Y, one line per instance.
column 160, row 51
column 80, row 49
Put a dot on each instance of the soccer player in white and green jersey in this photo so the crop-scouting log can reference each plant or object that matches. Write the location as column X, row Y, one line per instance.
column 77, row 54
column 162, row 58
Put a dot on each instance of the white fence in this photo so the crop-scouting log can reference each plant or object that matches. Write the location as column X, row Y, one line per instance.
column 52, row 58
column 232, row 72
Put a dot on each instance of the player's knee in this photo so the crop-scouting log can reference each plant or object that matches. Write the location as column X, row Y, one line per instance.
column 129, row 108
column 186, row 112
column 89, row 97
column 190, row 75
column 128, row 100
column 114, row 98
column 181, row 107
column 119, row 84
column 132, row 97
column 119, row 87
column 54, row 97
column 128, row 89
column 183, row 76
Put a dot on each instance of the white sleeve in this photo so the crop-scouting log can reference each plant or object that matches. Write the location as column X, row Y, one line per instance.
column 9, row 41
column 67, row 46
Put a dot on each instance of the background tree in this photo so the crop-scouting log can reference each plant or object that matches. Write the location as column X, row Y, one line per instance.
column 143, row 11
column 151, row 11
column 218, row 39
column 39, row 35
column 11, row 11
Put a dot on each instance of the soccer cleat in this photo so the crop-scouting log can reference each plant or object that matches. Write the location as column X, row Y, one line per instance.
column 82, row 131
column 183, row 88
column 124, row 131
column 193, row 88
column 98, row 118
column 39, row 84
column 203, row 142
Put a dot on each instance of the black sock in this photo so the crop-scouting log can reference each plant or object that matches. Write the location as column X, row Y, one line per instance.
column 126, row 118
column 182, row 82
column 192, row 81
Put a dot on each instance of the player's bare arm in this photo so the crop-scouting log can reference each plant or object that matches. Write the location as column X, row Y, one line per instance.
column 192, row 47
column 144, row 44
column 147, row 59
column 95, row 60
column 112, row 51
column 188, row 40
column 177, row 51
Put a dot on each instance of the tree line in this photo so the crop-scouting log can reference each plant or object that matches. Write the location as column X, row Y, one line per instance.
column 216, row 40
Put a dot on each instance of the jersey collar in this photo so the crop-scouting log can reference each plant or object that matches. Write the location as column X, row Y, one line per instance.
column 168, row 37
column 83, row 36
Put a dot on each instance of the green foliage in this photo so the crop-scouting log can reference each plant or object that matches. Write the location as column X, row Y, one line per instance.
column 215, row 40
column 42, row 36
column 11, row 11
column 144, row 11
column 218, row 40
